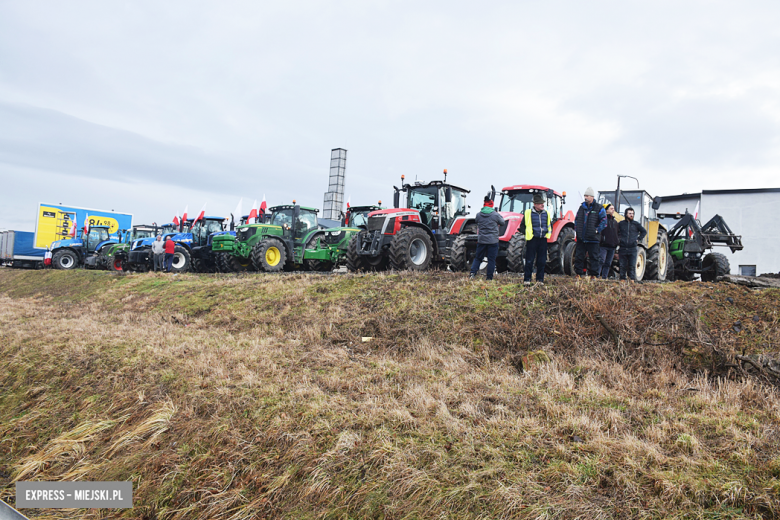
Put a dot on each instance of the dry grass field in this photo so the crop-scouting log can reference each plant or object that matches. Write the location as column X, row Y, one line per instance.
column 394, row 396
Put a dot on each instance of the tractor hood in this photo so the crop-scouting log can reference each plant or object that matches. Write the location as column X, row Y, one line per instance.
column 391, row 211
column 69, row 242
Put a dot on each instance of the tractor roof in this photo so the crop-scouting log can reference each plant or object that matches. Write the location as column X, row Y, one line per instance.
column 528, row 187
column 292, row 206
column 364, row 208
column 143, row 226
column 442, row 184
column 99, row 227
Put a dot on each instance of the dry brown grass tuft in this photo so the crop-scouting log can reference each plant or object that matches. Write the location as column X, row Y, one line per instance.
column 254, row 396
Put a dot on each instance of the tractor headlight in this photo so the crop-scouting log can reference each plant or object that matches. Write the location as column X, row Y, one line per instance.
column 685, row 255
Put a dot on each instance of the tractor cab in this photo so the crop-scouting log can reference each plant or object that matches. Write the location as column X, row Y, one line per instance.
column 438, row 202
column 639, row 200
column 204, row 228
column 517, row 199
column 96, row 237
column 296, row 221
column 357, row 216
column 138, row 232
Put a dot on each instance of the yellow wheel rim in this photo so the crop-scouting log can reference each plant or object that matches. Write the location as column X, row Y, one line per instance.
column 272, row 256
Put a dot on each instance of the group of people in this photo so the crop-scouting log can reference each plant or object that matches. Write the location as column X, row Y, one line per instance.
column 163, row 253
column 598, row 236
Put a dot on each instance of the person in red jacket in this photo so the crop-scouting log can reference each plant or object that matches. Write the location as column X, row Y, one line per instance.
column 170, row 248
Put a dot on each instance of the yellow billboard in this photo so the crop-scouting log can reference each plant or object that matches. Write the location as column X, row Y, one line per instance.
column 54, row 222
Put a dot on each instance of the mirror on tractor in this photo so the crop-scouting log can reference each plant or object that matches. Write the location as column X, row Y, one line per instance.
column 657, row 202
column 550, row 195
column 447, row 192
column 396, row 198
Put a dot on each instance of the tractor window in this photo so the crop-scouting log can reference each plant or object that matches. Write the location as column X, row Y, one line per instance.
column 169, row 228
column 516, row 201
column 307, row 222
column 423, row 200
column 282, row 218
column 213, row 226
column 359, row 219
column 450, row 210
column 628, row 199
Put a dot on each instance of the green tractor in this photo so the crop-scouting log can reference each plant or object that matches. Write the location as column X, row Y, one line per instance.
column 689, row 242
column 291, row 240
column 116, row 254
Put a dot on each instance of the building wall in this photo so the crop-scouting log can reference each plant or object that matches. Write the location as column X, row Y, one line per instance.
column 752, row 216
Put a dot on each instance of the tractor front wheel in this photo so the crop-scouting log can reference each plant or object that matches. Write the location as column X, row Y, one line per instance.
column 181, row 260
column 115, row 263
column 459, row 255
column 713, row 266
column 269, row 255
column 556, row 251
column 515, row 254
column 657, row 258
column 669, row 268
column 314, row 264
column 641, row 263
column 568, row 258
column 411, row 249
column 65, row 259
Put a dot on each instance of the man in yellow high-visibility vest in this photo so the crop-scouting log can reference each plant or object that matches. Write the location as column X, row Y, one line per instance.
column 538, row 226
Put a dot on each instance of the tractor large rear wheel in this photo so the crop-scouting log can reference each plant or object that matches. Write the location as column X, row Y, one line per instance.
column 269, row 255
column 713, row 266
column 556, row 251
column 65, row 259
column 515, row 253
column 411, row 249
column 354, row 260
column 181, row 260
column 657, row 258
column 568, row 258
column 198, row 266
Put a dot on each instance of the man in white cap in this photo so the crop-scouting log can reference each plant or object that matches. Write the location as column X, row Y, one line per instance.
column 590, row 222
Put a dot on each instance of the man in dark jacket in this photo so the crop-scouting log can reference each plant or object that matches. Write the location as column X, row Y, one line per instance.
column 537, row 227
column 609, row 241
column 590, row 222
column 489, row 220
column 630, row 234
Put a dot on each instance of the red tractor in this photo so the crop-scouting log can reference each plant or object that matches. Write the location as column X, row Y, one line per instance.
column 511, row 252
column 412, row 237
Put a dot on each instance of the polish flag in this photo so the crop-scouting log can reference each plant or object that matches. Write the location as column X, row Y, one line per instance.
column 349, row 199
column 175, row 220
column 183, row 217
column 200, row 215
column 252, row 214
column 695, row 216
column 73, row 227
column 263, row 205
column 86, row 224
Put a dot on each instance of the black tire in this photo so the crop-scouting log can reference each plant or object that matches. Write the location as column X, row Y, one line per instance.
column 657, row 257
column 181, row 260
column 65, row 259
column 115, row 264
column 354, row 260
column 459, row 255
column 411, row 249
column 316, row 264
column 197, row 265
column 515, row 253
column 669, row 268
column 714, row 265
column 269, row 255
column 556, row 251
column 568, row 258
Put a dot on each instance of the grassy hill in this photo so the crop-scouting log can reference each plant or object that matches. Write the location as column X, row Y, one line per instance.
column 395, row 396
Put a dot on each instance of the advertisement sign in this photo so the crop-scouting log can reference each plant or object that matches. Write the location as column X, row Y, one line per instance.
column 54, row 222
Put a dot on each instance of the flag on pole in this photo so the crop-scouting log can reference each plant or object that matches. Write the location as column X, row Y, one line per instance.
column 252, row 214
column 237, row 213
column 175, row 220
column 73, row 227
column 348, row 199
column 200, row 215
column 183, row 218
column 696, row 211
column 263, row 205
column 86, row 224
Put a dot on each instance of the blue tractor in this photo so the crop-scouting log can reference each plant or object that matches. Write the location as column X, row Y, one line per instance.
column 192, row 251
column 82, row 251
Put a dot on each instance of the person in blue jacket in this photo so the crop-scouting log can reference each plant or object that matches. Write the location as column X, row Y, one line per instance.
column 590, row 222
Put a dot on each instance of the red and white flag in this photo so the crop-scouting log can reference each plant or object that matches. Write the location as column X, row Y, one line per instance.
column 348, row 199
column 263, row 205
column 73, row 227
column 184, row 216
column 86, row 224
column 200, row 215
column 252, row 214
column 695, row 216
column 175, row 220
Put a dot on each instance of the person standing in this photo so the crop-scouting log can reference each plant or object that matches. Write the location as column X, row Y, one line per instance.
column 158, row 252
column 630, row 234
column 489, row 220
column 609, row 241
column 590, row 222
column 170, row 248
column 538, row 227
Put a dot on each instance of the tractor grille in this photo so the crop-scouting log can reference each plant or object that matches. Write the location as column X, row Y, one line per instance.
column 245, row 234
column 376, row 223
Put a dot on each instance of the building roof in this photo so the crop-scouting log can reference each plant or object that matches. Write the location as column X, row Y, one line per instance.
column 728, row 192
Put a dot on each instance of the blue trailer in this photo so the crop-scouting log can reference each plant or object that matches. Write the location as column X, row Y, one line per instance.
column 16, row 250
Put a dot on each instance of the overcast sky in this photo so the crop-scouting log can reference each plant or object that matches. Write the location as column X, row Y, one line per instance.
column 147, row 106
